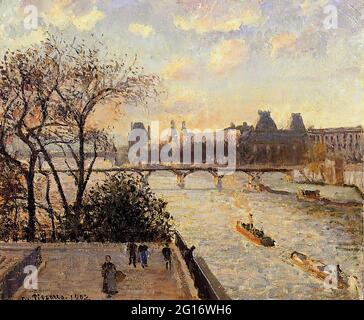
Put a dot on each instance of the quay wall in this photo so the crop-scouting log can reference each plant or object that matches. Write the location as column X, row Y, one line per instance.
column 207, row 285
column 347, row 175
column 354, row 176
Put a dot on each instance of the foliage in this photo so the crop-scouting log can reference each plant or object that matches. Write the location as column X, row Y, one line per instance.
column 124, row 208
column 316, row 155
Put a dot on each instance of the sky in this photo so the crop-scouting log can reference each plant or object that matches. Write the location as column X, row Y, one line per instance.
column 220, row 60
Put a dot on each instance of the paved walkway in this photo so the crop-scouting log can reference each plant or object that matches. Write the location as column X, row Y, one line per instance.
column 75, row 273
column 9, row 258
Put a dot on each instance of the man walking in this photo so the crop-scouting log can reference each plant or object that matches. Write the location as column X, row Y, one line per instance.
column 167, row 254
column 132, row 249
column 188, row 255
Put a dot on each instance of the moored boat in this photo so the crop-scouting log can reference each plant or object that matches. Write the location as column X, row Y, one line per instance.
column 314, row 196
column 308, row 195
column 254, row 235
column 318, row 269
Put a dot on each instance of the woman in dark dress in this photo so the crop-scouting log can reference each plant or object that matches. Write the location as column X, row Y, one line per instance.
column 109, row 275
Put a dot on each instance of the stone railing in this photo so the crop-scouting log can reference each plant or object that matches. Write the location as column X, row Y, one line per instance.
column 208, row 287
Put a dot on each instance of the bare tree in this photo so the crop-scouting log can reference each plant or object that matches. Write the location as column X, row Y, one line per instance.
column 47, row 96
column 28, row 85
column 92, row 81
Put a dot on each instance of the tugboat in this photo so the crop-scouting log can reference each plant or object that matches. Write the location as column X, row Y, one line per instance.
column 308, row 195
column 318, row 269
column 254, row 235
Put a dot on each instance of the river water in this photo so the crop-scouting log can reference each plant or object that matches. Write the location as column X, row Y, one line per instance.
column 206, row 218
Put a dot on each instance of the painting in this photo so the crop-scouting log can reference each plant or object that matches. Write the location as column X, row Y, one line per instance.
column 202, row 150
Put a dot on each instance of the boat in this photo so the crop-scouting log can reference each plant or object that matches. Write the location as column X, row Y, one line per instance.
column 254, row 235
column 314, row 196
column 317, row 268
column 308, row 195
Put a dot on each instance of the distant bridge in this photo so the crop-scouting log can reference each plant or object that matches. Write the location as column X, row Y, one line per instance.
column 182, row 171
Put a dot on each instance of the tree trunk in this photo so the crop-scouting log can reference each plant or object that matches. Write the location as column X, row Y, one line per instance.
column 81, row 178
column 57, row 180
column 50, row 208
column 16, row 223
column 31, row 198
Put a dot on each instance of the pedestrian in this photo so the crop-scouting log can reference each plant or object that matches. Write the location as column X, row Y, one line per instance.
column 167, row 254
column 189, row 257
column 132, row 249
column 109, row 277
column 144, row 253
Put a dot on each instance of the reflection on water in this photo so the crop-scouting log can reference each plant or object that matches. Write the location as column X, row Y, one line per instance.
column 207, row 218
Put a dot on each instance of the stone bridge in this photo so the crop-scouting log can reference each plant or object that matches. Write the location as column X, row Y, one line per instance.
column 182, row 171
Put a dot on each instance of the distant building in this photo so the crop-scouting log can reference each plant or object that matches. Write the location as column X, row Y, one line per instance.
column 297, row 124
column 138, row 125
column 265, row 122
column 267, row 144
column 264, row 143
column 349, row 141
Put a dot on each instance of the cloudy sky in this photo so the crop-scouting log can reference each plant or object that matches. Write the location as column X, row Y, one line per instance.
column 221, row 60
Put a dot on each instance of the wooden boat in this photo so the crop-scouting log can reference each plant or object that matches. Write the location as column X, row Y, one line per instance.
column 314, row 196
column 317, row 268
column 254, row 235
column 308, row 195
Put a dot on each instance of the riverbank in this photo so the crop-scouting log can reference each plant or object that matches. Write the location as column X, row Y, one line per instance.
column 321, row 201
column 339, row 194
column 348, row 175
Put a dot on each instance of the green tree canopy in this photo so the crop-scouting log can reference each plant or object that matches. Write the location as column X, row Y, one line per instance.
column 124, row 208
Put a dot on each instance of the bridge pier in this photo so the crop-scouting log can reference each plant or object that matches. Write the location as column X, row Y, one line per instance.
column 254, row 181
column 254, row 178
column 180, row 180
column 145, row 175
column 180, row 177
column 218, row 182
